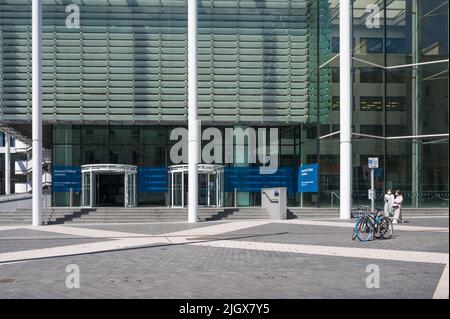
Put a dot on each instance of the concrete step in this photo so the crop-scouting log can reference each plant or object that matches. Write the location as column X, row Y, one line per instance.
column 154, row 214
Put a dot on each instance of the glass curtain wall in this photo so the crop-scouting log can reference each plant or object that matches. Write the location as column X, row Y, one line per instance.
column 400, row 100
column 149, row 147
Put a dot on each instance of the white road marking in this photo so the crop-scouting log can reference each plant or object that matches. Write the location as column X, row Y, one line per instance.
column 350, row 224
column 123, row 240
column 70, row 250
column 441, row 291
column 367, row 253
column 11, row 227
column 83, row 232
column 426, row 217
column 219, row 229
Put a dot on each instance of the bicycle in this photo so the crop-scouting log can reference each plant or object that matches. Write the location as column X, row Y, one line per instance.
column 367, row 226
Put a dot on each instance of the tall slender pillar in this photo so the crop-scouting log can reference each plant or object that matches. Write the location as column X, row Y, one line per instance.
column 415, row 106
column 345, row 35
column 7, row 164
column 37, row 110
column 192, row 109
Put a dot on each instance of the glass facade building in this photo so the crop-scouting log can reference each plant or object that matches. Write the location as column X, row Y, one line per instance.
column 400, row 89
column 116, row 86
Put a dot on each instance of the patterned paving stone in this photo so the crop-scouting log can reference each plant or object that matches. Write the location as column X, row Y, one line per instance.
column 149, row 228
column 340, row 236
column 185, row 271
column 15, row 245
column 26, row 239
column 21, row 233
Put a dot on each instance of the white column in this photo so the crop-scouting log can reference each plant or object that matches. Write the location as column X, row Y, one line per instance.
column 218, row 190
column 192, row 109
column 126, row 190
column 172, row 185
column 345, row 34
column 208, row 191
column 415, row 103
column 7, row 164
column 91, row 189
column 182, row 189
column 36, row 110
column 83, row 189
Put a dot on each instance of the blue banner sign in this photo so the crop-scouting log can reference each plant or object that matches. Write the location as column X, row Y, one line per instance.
column 65, row 178
column 152, row 179
column 249, row 179
column 308, row 178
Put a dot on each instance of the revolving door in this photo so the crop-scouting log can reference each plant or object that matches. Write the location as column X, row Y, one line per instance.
column 210, row 185
column 108, row 185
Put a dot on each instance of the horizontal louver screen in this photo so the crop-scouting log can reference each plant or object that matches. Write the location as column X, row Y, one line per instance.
column 128, row 61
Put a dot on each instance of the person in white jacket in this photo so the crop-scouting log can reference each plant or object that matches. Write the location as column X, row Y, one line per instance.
column 398, row 202
column 388, row 203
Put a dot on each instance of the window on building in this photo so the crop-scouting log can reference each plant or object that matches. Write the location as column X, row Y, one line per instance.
column 335, row 75
column 311, row 131
column 395, row 130
column 371, row 45
column 335, row 103
column 395, row 46
column 396, row 76
column 395, row 103
column 325, row 129
column 370, row 75
column 371, row 129
column 371, row 103
column 335, row 44
column 335, row 127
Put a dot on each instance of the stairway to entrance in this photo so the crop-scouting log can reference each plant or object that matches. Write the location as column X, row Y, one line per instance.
column 165, row 214
column 129, row 215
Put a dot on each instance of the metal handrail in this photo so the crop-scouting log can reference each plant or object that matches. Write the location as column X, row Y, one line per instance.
column 274, row 200
column 332, row 198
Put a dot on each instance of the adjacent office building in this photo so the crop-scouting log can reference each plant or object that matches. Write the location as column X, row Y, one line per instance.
column 115, row 94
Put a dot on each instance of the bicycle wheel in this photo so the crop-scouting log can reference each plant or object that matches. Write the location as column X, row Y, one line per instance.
column 355, row 230
column 386, row 228
column 364, row 230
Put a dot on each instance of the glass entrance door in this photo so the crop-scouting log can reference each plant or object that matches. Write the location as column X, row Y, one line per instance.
column 202, row 190
column 210, row 185
column 108, row 185
column 130, row 190
column 177, row 190
column 86, row 189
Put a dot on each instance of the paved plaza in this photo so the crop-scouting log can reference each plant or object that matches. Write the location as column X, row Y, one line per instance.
column 226, row 259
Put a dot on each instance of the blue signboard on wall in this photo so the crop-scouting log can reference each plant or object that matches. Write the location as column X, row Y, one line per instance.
column 249, row 179
column 152, row 179
column 65, row 178
column 308, row 178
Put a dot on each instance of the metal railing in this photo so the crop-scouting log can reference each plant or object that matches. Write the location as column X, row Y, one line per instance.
column 333, row 195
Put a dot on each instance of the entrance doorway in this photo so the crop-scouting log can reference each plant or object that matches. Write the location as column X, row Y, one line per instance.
column 108, row 185
column 110, row 190
column 210, row 185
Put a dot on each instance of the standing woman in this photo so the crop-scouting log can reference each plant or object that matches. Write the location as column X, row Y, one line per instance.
column 398, row 202
column 388, row 203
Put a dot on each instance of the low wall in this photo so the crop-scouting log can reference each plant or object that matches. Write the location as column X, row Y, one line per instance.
column 22, row 201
